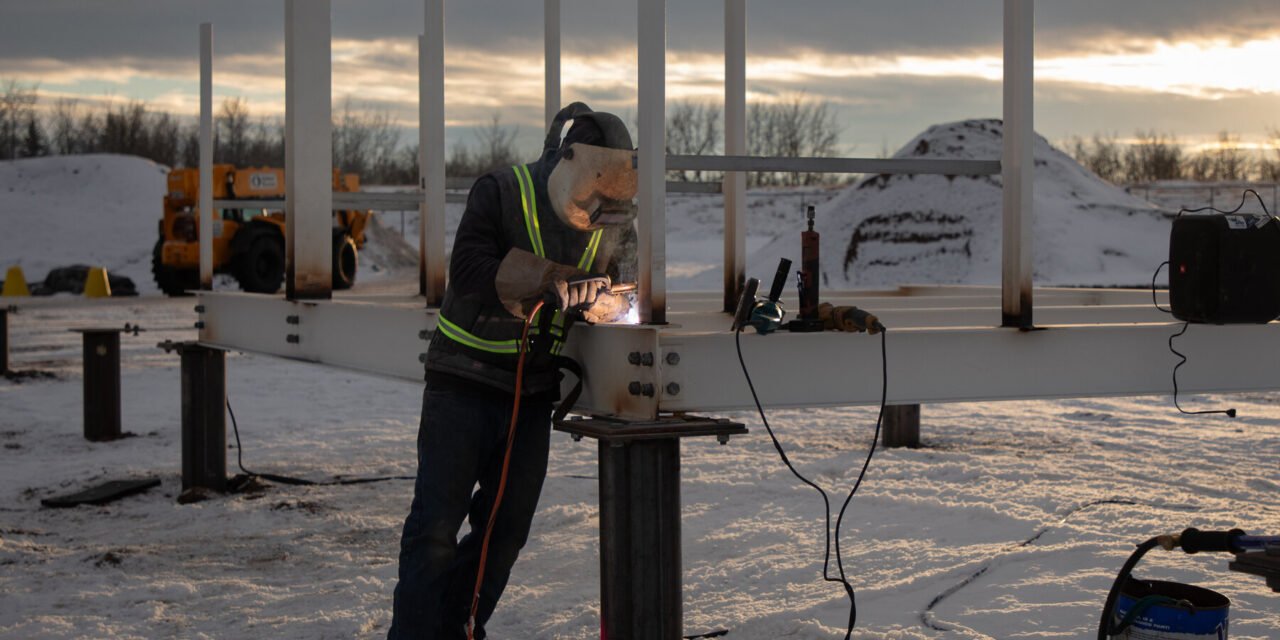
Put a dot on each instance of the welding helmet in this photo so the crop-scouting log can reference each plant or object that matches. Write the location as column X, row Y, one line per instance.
column 594, row 182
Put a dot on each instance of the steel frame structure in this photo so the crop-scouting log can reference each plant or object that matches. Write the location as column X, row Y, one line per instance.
column 949, row 344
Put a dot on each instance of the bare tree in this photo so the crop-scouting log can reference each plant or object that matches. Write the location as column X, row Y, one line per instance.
column 231, row 130
column 1269, row 164
column 495, row 148
column 1154, row 156
column 1230, row 161
column 801, row 127
column 693, row 128
column 17, row 108
column 1101, row 155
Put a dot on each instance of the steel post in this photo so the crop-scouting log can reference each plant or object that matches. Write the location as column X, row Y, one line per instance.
column 551, row 59
column 204, row 421
column 640, row 564
column 101, row 384
column 1018, row 165
column 431, row 145
column 308, row 161
column 901, row 426
column 735, row 144
column 206, row 156
column 652, row 89
column 4, row 341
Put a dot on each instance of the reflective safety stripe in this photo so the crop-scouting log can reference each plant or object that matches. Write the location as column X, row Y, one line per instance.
column 458, row 334
column 589, row 254
column 529, row 205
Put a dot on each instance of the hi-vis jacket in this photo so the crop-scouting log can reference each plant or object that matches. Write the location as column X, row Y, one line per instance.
column 477, row 340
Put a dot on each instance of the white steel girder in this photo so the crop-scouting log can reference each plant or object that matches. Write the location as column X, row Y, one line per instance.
column 930, row 360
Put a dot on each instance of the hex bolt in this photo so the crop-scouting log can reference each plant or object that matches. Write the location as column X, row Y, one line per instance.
column 634, row 358
column 199, row 324
column 647, row 359
column 292, row 319
column 673, row 358
column 634, row 388
column 723, row 438
column 199, row 308
column 648, row 390
column 293, row 338
column 577, row 437
column 425, row 334
column 422, row 357
column 673, row 389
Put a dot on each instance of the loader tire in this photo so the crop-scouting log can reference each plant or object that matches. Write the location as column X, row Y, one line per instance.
column 260, row 267
column 172, row 282
column 345, row 261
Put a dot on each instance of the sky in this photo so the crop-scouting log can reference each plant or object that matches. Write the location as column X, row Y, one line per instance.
column 888, row 68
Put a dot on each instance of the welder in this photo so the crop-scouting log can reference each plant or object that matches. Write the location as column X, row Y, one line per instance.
column 538, row 244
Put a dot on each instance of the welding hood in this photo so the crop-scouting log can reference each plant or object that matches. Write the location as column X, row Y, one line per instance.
column 594, row 182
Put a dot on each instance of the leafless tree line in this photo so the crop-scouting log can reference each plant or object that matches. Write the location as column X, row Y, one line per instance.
column 799, row 127
column 1154, row 156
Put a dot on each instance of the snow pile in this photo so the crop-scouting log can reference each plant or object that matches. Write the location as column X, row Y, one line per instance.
column 99, row 210
column 889, row 230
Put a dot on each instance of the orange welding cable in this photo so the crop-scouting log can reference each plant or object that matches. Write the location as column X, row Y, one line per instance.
column 506, row 464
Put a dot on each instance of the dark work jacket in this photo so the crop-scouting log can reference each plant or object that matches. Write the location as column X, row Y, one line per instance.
column 476, row 339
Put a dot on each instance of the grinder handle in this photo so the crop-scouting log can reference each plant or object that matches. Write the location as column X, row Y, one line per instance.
column 746, row 304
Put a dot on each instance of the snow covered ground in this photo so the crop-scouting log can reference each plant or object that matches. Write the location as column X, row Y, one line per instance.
column 320, row 562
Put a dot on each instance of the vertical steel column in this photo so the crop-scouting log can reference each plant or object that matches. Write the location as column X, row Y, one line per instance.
column 4, row 341
column 1018, row 161
column 640, row 564
column 101, row 384
column 206, row 156
column 652, row 89
column 431, row 143
column 901, row 426
column 204, row 417
column 734, row 186
column 308, row 160
column 551, row 59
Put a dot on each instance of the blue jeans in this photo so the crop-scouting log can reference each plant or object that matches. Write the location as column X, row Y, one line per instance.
column 461, row 442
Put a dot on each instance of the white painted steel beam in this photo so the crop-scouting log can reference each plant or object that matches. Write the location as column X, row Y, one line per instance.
column 1110, row 350
column 431, row 146
column 1018, row 161
column 735, row 144
column 550, row 60
column 380, row 339
column 206, row 156
column 308, row 160
column 652, row 116
column 928, row 366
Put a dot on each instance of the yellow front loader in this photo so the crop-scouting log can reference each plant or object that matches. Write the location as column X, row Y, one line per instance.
column 248, row 243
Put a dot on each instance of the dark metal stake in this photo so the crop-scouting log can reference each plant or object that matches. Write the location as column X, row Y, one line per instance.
column 4, row 341
column 640, row 564
column 901, row 426
column 204, row 417
column 101, row 384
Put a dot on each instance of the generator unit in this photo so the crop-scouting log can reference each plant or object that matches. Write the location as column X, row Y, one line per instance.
column 1225, row 269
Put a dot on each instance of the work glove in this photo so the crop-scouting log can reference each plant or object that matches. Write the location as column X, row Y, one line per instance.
column 523, row 279
column 851, row 319
column 608, row 308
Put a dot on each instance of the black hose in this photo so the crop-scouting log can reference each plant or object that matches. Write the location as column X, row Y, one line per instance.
column 1104, row 625
column 297, row 481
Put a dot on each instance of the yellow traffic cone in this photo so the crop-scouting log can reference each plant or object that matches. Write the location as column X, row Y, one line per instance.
column 15, row 283
column 97, row 285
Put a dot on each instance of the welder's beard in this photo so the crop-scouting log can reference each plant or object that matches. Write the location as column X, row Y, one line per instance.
column 593, row 187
